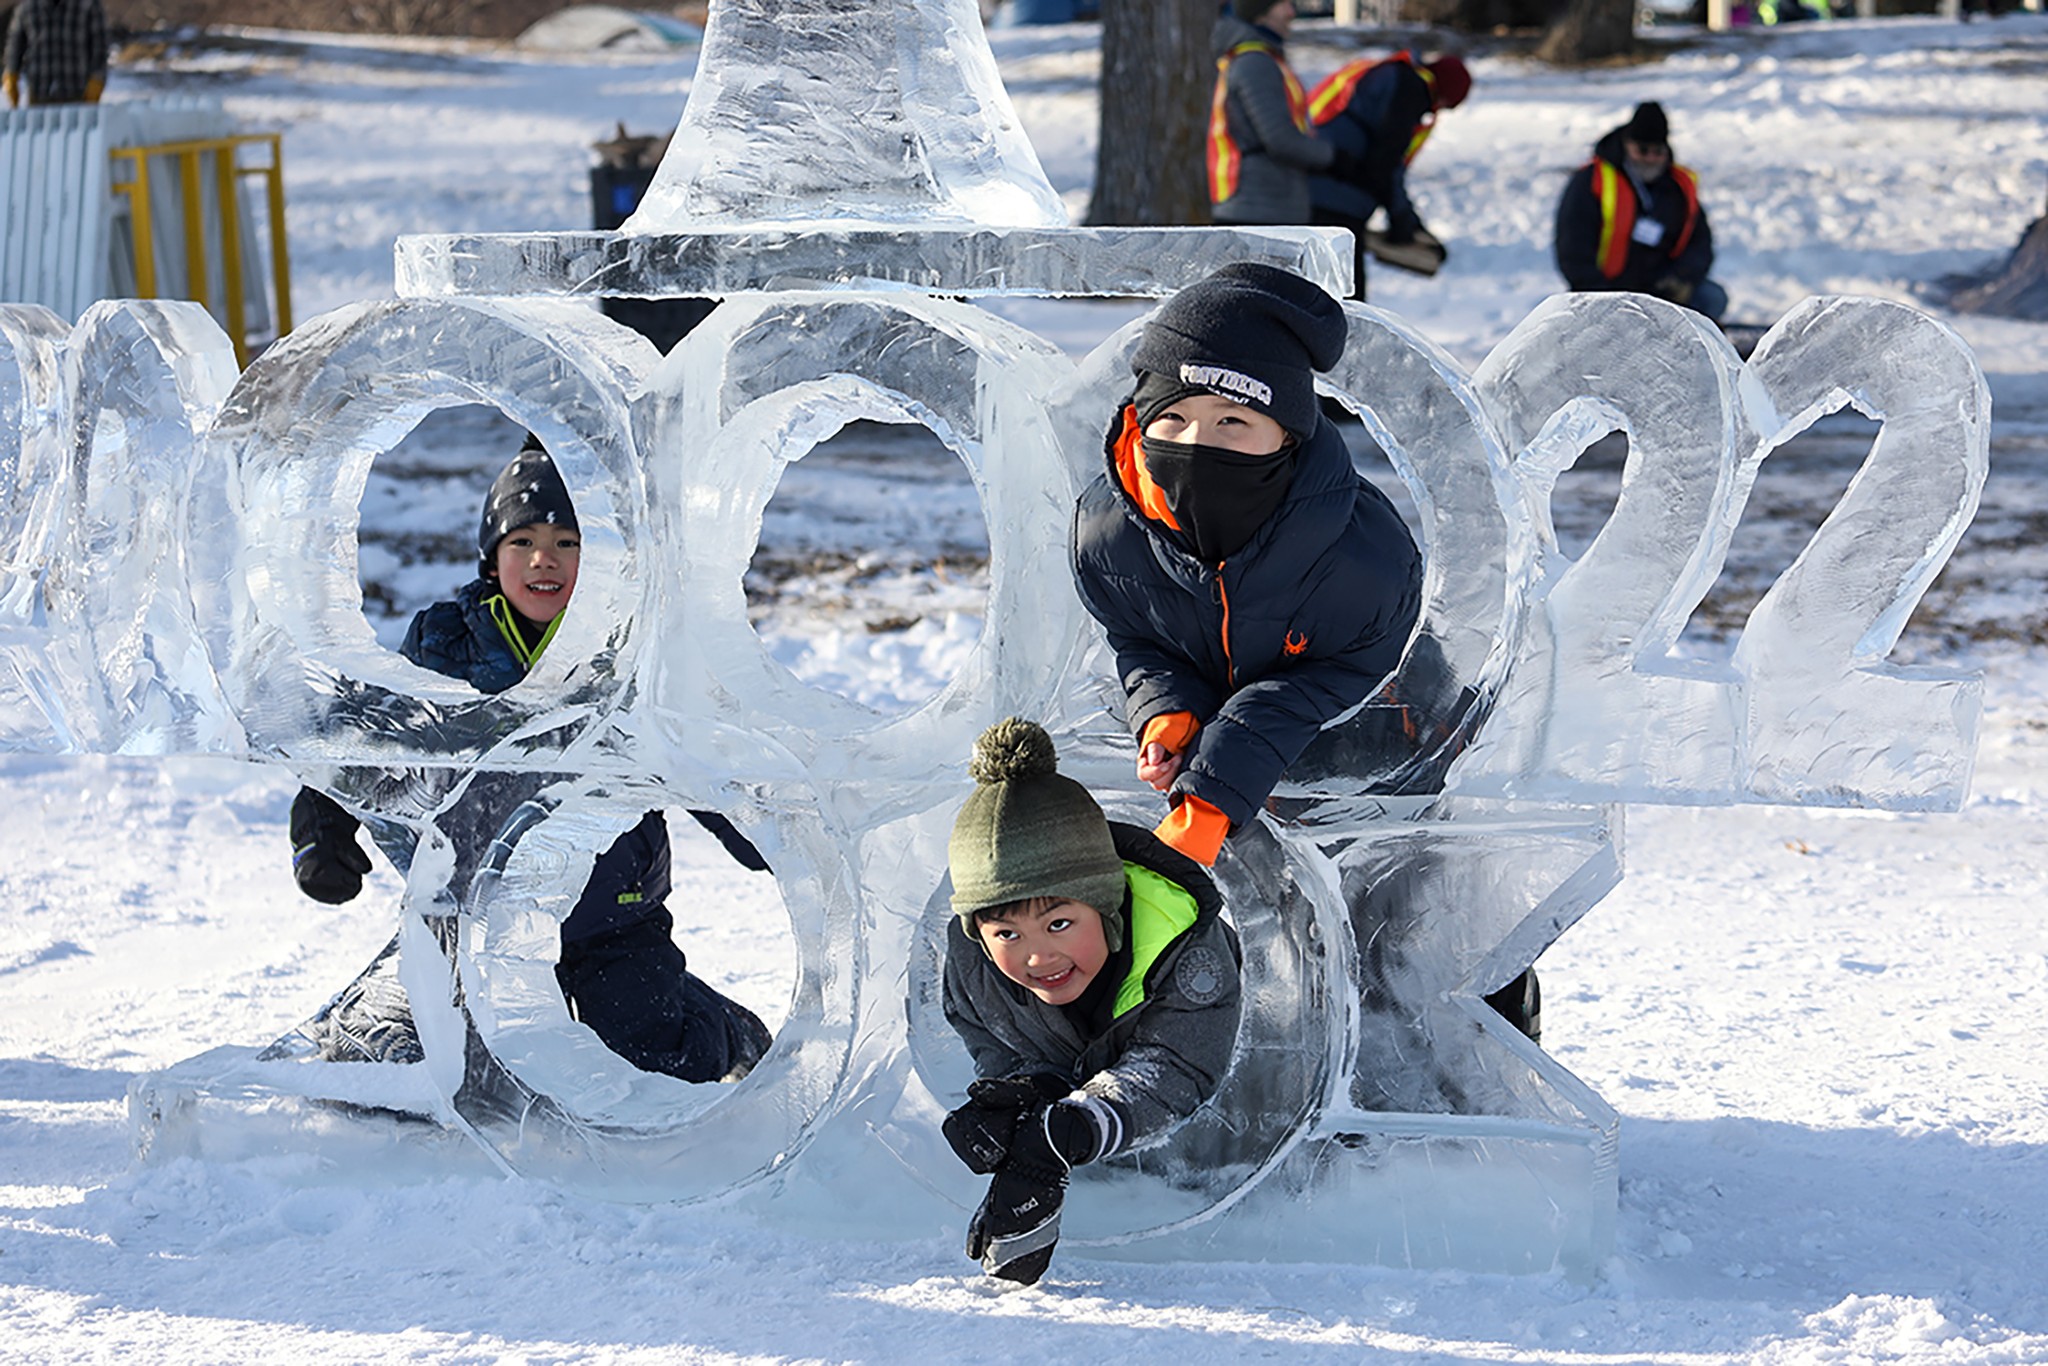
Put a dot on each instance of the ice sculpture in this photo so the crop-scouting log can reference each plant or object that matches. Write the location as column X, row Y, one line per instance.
column 867, row 145
column 1807, row 710
column 1424, row 852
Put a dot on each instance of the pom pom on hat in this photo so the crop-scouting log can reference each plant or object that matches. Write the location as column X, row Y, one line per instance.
column 1026, row 831
column 1013, row 749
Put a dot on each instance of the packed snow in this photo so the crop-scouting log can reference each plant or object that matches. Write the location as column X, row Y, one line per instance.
column 1820, row 1027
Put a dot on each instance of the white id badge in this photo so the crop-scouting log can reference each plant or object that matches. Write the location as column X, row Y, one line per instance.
column 1648, row 231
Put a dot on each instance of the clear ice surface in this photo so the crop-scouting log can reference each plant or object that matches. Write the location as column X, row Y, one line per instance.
column 1376, row 1109
column 887, row 113
column 838, row 163
column 972, row 260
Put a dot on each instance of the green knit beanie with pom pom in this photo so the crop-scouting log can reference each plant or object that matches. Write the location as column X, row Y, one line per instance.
column 1028, row 832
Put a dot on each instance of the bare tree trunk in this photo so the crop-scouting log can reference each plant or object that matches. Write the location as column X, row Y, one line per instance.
column 1157, row 76
column 1591, row 31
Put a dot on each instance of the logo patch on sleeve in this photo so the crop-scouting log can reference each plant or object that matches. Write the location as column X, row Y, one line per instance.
column 1199, row 975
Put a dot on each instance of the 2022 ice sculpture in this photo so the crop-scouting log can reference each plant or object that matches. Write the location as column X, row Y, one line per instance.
column 1424, row 852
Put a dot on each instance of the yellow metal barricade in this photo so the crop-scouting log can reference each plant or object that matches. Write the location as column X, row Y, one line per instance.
column 228, row 172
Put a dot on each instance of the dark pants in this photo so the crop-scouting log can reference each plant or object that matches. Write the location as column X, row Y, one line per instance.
column 633, row 990
column 629, row 986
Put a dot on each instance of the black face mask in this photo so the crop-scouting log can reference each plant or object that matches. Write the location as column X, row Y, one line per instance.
column 1220, row 497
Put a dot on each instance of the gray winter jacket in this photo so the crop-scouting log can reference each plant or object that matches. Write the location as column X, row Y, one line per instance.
column 1276, row 158
column 1162, row 1056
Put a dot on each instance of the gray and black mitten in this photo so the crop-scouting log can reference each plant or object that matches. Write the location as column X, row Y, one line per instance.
column 1014, row 1231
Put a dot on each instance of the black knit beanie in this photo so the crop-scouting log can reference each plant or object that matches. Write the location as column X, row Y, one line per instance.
column 1648, row 126
column 528, row 490
column 1252, row 333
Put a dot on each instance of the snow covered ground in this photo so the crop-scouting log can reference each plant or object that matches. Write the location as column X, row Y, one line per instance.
column 1822, row 1029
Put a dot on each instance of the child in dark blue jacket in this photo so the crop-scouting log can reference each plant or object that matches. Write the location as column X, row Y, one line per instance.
column 620, row 969
column 1252, row 583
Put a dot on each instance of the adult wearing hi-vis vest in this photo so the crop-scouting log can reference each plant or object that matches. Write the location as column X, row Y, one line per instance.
column 1630, row 219
column 1381, row 111
column 1261, row 148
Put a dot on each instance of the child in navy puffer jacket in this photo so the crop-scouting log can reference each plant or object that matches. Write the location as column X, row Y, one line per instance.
column 1252, row 583
column 620, row 970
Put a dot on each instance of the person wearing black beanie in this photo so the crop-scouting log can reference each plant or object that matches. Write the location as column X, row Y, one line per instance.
column 1631, row 219
column 1252, row 584
column 620, row 971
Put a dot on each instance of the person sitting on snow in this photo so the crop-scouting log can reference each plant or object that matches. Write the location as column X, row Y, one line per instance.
column 1252, row 583
column 1381, row 112
column 620, row 970
column 1630, row 219
column 1092, row 979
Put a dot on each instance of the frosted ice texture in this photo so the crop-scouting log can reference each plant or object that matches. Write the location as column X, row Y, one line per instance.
column 1598, row 703
column 887, row 112
column 32, row 458
column 178, row 573
column 970, row 260
column 100, row 447
column 866, row 146
column 1375, row 1110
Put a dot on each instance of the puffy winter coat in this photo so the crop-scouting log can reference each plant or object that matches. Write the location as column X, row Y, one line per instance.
column 1302, row 623
column 1685, row 244
column 1261, row 151
column 1376, row 122
column 1169, row 1041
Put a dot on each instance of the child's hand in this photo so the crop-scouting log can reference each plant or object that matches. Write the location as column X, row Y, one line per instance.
column 980, row 1131
column 1158, row 766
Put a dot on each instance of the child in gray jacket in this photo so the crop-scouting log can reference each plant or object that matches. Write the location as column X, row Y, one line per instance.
column 1093, row 980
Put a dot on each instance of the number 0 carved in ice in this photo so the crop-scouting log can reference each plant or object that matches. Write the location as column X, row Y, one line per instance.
column 178, row 574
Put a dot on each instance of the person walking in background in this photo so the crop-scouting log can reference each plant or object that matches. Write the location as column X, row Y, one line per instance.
column 1630, row 219
column 56, row 53
column 1262, row 150
column 1380, row 113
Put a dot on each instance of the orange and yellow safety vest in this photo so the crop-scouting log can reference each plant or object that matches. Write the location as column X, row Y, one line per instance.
column 1618, row 214
column 1226, row 159
column 1331, row 96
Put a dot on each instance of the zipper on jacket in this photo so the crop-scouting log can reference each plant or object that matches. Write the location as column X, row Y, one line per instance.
column 1229, row 664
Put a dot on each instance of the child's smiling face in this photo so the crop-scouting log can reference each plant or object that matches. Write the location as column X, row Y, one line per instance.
column 536, row 567
column 1053, row 949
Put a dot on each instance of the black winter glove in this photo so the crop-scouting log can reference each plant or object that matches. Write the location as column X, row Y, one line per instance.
column 1676, row 290
column 1015, row 1230
column 326, row 859
column 1344, row 166
column 980, row 1131
column 1017, row 1227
